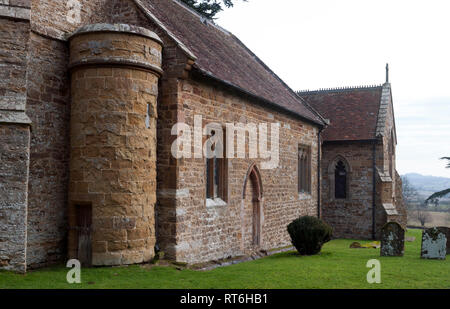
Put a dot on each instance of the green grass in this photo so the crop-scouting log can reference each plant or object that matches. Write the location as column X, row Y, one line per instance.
column 337, row 266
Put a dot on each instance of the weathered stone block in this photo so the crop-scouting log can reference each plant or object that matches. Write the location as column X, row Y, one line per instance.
column 392, row 240
column 434, row 244
column 446, row 231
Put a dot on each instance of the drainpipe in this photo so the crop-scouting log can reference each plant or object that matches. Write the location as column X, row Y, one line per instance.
column 374, row 192
column 319, row 184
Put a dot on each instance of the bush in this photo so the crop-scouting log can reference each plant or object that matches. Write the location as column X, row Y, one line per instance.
column 308, row 234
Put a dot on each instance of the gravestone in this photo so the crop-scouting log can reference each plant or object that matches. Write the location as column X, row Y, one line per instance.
column 446, row 231
column 392, row 239
column 434, row 244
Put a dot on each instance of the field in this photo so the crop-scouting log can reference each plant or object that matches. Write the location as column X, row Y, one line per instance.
column 436, row 219
column 336, row 267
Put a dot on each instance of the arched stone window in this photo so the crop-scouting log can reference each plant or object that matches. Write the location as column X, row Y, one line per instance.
column 304, row 169
column 216, row 169
column 340, row 181
column 339, row 176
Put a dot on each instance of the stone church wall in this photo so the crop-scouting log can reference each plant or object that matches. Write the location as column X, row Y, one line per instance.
column 206, row 233
column 14, row 133
column 187, row 229
column 351, row 217
column 14, row 158
column 48, row 106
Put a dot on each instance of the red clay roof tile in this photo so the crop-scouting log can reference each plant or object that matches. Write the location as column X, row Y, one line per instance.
column 353, row 112
column 223, row 56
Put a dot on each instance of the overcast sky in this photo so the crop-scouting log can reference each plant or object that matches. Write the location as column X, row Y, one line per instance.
column 331, row 43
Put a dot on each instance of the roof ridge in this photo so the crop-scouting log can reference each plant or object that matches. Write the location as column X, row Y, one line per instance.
column 289, row 100
column 339, row 89
column 289, row 89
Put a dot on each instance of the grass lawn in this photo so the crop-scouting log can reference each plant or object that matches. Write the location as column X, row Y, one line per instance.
column 337, row 266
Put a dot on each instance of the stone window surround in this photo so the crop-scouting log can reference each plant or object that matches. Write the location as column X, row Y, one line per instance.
column 304, row 195
column 218, row 201
column 331, row 177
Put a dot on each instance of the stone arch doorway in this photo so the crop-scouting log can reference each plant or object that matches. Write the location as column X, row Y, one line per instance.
column 252, row 216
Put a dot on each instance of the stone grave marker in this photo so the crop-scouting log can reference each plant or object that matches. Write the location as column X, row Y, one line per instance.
column 446, row 231
column 434, row 244
column 392, row 240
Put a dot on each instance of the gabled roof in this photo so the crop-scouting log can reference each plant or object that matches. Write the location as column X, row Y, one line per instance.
column 352, row 112
column 220, row 55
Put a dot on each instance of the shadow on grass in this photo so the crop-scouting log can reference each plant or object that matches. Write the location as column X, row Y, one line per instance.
column 291, row 254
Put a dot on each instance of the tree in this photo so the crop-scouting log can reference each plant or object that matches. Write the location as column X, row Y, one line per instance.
column 434, row 202
column 423, row 215
column 410, row 194
column 442, row 193
column 209, row 8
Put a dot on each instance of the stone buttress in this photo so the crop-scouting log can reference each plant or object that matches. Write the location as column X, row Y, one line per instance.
column 115, row 71
column 15, row 132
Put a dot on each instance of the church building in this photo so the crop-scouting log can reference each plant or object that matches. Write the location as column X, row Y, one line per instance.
column 360, row 139
column 107, row 107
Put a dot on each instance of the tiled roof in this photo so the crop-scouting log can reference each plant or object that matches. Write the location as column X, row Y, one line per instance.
column 220, row 55
column 352, row 112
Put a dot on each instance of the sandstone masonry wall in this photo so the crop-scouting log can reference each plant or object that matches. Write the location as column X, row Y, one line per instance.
column 48, row 103
column 351, row 217
column 175, row 65
column 14, row 160
column 14, row 133
column 205, row 233
column 113, row 140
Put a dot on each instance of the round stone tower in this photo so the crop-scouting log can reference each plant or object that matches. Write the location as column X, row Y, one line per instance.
column 115, row 71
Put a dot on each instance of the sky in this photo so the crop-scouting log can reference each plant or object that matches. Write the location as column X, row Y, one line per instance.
column 334, row 43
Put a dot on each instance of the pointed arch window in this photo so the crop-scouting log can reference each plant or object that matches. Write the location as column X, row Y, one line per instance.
column 216, row 171
column 340, row 181
column 304, row 169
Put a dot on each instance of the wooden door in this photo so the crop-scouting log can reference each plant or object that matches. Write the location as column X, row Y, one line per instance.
column 84, row 227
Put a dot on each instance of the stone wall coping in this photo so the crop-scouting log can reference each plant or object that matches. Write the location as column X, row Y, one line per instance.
column 122, row 28
column 390, row 209
column 14, row 12
column 18, row 117
column 384, row 177
column 17, row 3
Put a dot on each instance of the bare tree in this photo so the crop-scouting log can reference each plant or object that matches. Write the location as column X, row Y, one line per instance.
column 423, row 216
column 410, row 194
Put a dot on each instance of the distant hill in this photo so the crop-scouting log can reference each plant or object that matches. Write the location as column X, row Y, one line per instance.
column 427, row 185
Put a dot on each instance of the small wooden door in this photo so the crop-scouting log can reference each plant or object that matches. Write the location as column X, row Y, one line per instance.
column 252, row 210
column 84, row 227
